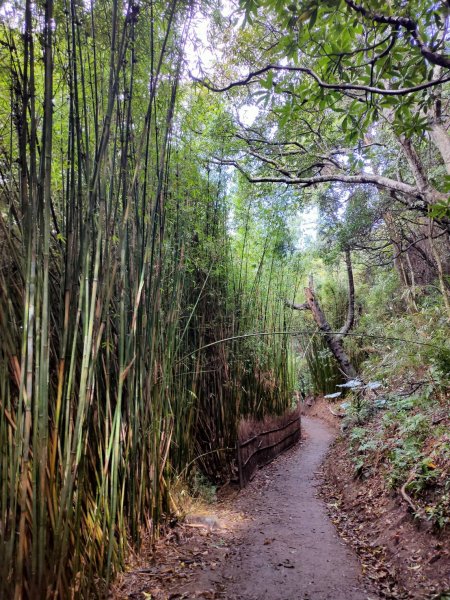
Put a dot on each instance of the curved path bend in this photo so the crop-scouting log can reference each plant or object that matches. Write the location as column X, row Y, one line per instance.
column 290, row 550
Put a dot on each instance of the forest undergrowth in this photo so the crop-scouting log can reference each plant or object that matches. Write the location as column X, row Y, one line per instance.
column 387, row 477
column 158, row 282
column 399, row 425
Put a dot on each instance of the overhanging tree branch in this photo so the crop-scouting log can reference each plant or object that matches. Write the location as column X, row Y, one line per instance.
column 251, row 77
column 411, row 27
column 429, row 196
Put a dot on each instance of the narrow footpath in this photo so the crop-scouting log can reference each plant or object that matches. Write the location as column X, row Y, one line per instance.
column 272, row 541
column 291, row 549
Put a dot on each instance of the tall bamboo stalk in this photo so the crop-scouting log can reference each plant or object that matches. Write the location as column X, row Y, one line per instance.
column 119, row 265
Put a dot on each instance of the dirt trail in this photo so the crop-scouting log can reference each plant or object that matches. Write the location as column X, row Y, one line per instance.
column 272, row 541
column 291, row 549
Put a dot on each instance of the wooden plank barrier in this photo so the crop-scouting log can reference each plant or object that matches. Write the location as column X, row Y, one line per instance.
column 264, row 447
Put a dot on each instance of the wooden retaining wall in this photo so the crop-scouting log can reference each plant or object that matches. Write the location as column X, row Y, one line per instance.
column 264, row 447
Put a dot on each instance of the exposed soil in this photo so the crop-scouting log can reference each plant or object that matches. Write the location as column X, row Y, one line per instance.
column 277, row 538
column 319, row 407
column 272, row 541
column 405, row 557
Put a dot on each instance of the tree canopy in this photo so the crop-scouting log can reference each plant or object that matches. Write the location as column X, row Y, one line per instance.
column 149, row 251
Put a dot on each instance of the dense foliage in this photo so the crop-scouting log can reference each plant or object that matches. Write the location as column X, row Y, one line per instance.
column 150, row 253
column 117, row 274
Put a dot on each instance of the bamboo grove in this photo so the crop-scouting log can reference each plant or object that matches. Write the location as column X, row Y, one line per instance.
column 116, row 270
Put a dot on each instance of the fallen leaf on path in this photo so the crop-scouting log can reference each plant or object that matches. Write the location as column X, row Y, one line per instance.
column 286, row 564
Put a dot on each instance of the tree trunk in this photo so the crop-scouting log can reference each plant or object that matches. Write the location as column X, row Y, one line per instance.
column 414, row 162
column 333, row 341
column 348, row 325
column 441, row 140
column 440, row 270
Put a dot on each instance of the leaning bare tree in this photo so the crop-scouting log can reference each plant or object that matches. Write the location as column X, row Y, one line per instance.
column 333, row 339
